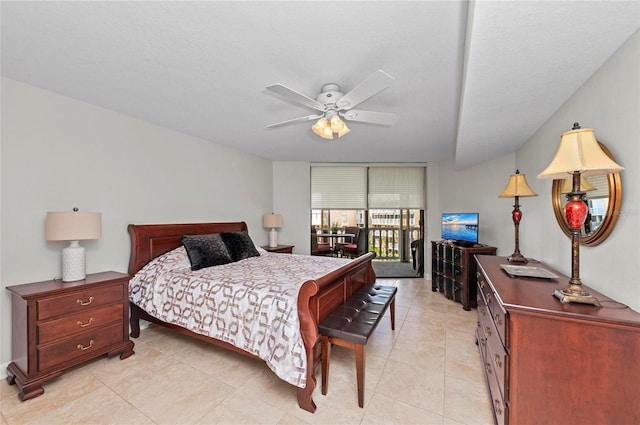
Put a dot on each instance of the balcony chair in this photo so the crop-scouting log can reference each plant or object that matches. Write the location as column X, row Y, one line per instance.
column 357, row 246
column 319, row 248
column 417, row 255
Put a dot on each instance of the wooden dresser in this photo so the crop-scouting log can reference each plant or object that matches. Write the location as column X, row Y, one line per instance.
column 57, row 325
column 551, row 363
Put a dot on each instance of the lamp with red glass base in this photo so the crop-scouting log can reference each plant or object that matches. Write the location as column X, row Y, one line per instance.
column 517, row 188
column 579, row 154
column 575, row 212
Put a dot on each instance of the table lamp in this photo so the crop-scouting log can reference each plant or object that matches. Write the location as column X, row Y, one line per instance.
column 73, row 226
column 516, row 188
column 579, row 155
column 272, row 221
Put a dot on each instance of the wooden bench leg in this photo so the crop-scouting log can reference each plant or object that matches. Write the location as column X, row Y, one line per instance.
column 392, row 310
column 326, row 358
column 360, row 365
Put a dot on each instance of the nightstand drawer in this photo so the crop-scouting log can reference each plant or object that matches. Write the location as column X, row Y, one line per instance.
column 79, row 345
column 79, row 322
column 79, row 301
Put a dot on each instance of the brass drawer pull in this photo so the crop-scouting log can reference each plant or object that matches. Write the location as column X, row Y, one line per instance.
column 498, row 318
column 488, row 329
column 82, row 347
column 498, row 407
column 85, row 303
column 483, row 341
column 84, row 325
column 488, row 367
column 497, row 361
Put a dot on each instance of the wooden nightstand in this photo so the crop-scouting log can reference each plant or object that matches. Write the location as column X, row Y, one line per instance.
column 57, row 325
column 286, row 249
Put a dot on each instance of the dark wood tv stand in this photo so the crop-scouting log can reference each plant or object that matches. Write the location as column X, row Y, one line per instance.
column 453, row 270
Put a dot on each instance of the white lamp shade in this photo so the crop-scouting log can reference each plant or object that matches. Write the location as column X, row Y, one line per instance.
column 579, row 151
column 73, row 225
column 272, row 221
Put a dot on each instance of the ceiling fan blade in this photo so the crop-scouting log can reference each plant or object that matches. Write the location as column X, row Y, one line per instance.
column 296, row 97
column 307, row 118
column 373, row 84
column 372, row 117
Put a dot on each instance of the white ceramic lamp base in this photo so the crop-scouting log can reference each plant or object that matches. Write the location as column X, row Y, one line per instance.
column 273, row 238
column 73, row 262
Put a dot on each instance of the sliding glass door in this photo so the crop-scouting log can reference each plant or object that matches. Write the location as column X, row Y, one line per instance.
column 393, row 231
column 386, row 203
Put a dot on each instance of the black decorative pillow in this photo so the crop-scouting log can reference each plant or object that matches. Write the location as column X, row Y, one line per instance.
column 240, row 245
column 205, row 250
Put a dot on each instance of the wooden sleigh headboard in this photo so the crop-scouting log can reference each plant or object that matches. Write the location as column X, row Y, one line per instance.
column 148, row 241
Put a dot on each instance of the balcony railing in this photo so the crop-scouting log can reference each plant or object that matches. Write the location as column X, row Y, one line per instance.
column 386, row 243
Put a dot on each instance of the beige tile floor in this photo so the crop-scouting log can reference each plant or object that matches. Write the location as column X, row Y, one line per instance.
column 427, row 371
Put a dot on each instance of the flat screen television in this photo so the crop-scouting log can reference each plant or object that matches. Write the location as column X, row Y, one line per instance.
column 460, row 227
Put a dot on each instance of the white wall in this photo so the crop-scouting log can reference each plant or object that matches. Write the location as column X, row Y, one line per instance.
column 609, row 102
column 59, row 153
column 292, row 199
column 474, row 189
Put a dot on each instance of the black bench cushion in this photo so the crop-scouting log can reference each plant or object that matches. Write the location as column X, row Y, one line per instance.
column 358, row 317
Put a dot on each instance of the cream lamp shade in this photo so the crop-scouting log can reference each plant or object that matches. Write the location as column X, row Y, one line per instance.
column 579, row 151
column 272, row 221
column 73, row 226
column 517, row 186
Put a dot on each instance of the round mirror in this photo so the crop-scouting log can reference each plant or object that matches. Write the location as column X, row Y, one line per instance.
column 603, row 196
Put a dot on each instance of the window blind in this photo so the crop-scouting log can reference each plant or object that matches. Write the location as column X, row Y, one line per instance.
column 339, row 187
column 396, row 187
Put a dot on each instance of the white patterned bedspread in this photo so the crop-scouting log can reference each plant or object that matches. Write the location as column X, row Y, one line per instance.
column 251, row 304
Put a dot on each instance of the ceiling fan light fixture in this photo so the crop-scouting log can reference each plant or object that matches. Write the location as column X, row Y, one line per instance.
column 336, row 124
column 322, row 129
column 344, row 130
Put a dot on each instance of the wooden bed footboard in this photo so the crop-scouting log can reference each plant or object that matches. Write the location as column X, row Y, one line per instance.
column 316, row 299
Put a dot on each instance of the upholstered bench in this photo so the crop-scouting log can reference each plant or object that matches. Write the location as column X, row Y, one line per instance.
column 351, row 325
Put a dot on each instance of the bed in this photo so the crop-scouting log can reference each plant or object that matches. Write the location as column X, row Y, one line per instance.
column 315, row 300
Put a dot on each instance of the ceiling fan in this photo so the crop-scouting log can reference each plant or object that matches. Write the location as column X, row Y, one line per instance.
column 332, row 105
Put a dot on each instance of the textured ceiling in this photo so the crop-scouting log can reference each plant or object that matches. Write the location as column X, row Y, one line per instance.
column 473, row 79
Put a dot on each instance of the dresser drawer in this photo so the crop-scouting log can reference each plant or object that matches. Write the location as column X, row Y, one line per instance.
column 82, row 300
column 495, row 309
column 500, row 408
column 79, row 322
column 498, row 358
column 85, row 343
